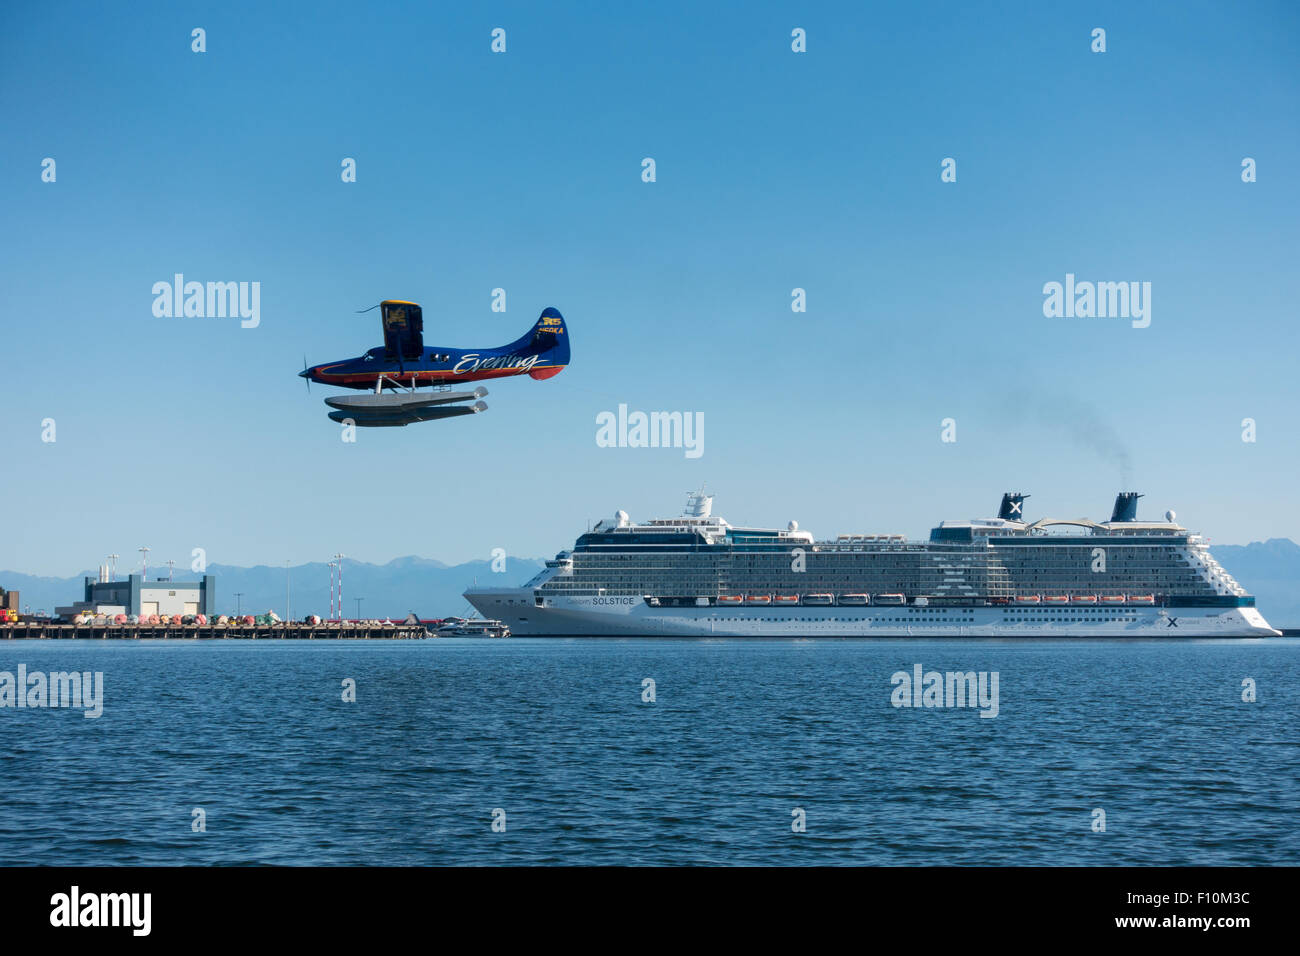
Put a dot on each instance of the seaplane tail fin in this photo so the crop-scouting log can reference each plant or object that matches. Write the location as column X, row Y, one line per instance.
column 549, row 341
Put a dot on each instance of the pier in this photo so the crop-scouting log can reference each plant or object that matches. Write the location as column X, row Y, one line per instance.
column 190, row 632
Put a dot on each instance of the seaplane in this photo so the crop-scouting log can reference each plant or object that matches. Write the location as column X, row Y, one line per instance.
column 396, row 372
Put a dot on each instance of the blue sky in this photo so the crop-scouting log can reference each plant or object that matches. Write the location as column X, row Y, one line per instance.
column 522, row 170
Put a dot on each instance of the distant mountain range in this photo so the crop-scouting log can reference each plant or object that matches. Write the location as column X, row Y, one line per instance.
column 427, row 587
column 1270, row 570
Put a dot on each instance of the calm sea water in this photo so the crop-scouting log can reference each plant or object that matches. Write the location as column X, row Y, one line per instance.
column 555, row 734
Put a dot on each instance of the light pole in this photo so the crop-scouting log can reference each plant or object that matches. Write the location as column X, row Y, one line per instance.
column 238, row 595
column 286, row 592
column 144, row 563
column 359, row 600
column 171, row 566
column 332, row 567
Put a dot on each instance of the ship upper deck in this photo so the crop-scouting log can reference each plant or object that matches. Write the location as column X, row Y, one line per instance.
column 982, row 559
column 698, row 526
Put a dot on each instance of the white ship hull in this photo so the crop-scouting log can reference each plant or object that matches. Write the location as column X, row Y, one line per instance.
column 633, row 617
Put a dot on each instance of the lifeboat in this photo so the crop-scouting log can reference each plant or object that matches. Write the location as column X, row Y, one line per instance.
column 1028, row 599
column 1141, row 599
column 855, row 600
column 1112, row 599
column 893, row 599
column 1055, row 599
column 1084, row 599
column 730, row 599
column 818, row 600
column 787, row 599
column 760, row 599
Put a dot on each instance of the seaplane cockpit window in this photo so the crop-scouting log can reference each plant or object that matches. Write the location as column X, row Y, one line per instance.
column 369, row 358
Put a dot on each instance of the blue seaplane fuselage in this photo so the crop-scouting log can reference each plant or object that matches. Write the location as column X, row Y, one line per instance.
column 404, row 360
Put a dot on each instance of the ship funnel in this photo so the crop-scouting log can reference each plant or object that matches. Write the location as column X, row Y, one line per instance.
column 698, row 505
column 1012, row 506
column 1126, row 506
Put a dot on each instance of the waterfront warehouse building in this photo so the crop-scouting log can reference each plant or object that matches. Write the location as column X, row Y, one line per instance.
column 138, row 596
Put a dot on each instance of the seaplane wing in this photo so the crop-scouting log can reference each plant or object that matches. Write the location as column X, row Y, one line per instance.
column 395, row 372
column 403, row 324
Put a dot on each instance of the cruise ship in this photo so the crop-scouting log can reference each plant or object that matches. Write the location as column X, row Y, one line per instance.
column 699, row 576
